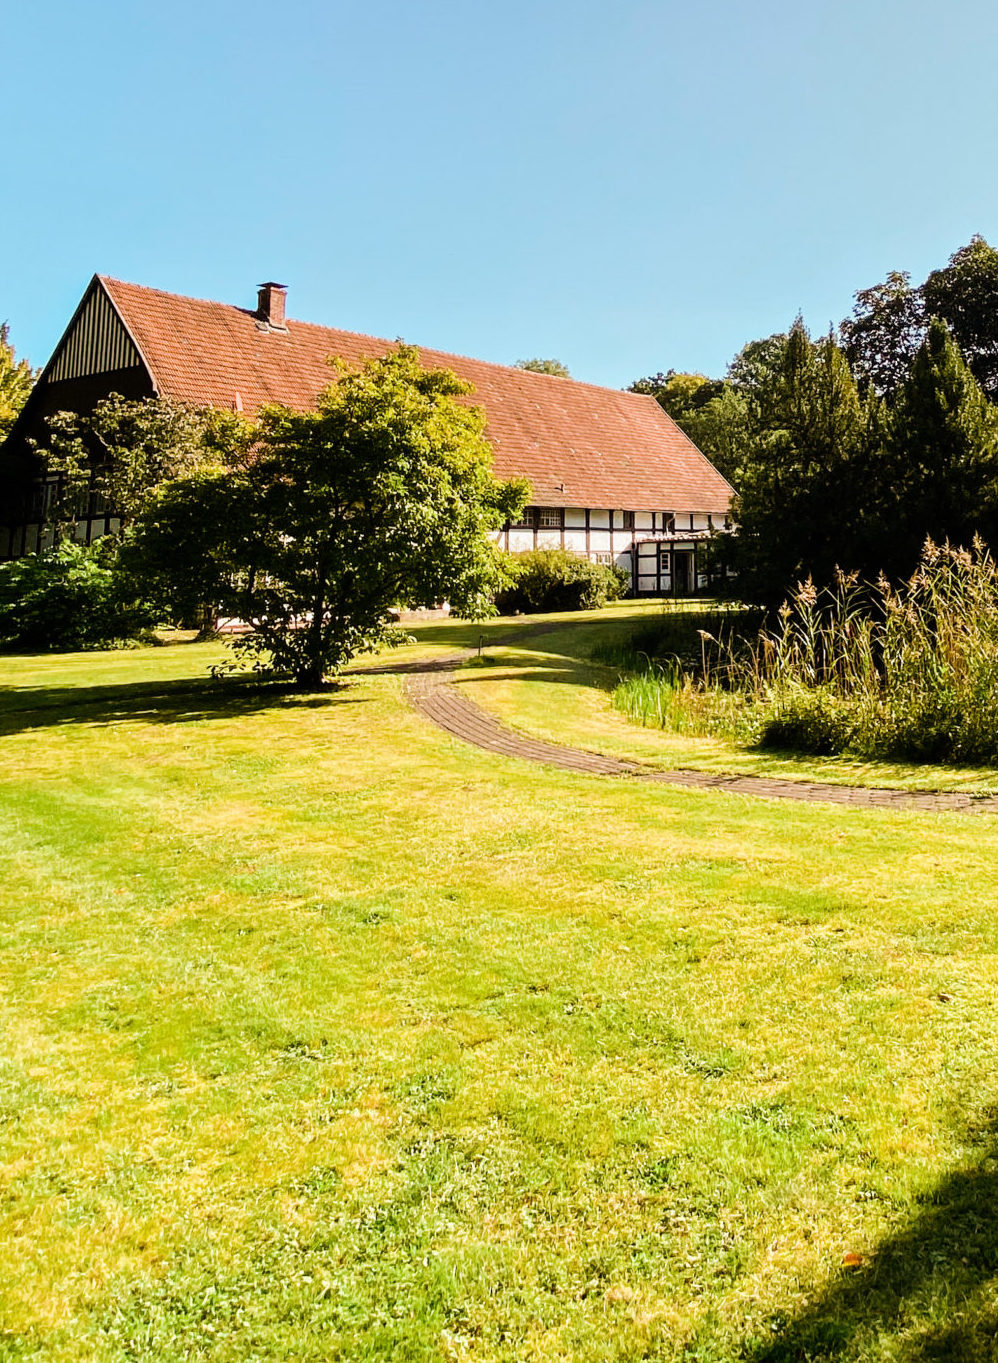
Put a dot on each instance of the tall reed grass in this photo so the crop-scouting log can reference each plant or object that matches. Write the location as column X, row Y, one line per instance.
column 869, row 669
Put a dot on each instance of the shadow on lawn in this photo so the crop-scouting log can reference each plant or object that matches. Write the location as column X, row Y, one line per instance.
column 167, row 702
column 923, row 1293
column 566, row 673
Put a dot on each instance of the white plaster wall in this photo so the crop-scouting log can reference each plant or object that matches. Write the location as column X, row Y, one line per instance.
column 520, row 540
column 575, row 517
column 575, row 541
column 600, row 541
column 548, row 539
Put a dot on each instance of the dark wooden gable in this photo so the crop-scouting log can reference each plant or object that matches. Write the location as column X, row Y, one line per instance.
column 97, row 356
column 96, row 341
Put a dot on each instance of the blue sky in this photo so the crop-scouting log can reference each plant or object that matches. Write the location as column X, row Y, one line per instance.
column 626, row 185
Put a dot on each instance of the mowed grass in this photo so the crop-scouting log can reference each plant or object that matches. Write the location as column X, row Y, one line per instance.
column 547, row 685
column 327, row 1037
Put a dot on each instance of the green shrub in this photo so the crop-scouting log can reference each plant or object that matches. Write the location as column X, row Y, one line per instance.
column 70, row 597
column 544, row 580
column 810, row 720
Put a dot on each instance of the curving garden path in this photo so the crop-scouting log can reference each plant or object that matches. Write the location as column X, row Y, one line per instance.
column 429, row 688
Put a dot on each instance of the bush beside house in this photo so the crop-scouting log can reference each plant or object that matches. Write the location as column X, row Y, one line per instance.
column 544, row 580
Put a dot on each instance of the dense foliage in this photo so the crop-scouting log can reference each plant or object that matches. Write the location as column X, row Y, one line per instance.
column 125, row 449
column 965, row 295
column 552, row 367
column 71, row 597
column 382, row 497
column 850, row 449
column 556, row 580
column 16, row 380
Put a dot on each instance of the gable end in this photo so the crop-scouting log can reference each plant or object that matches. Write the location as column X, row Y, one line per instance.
column 97, row 342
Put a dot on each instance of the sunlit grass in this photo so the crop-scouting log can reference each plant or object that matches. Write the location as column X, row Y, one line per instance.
column 325, row 1036
column 549, row 686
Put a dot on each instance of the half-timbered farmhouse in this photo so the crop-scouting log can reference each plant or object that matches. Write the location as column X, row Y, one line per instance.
column 612, row 475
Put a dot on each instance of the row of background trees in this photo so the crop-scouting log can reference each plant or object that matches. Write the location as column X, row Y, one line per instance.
column 846, row 450
column 851, row 448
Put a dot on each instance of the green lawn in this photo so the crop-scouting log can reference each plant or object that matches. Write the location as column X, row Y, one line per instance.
column 327, row 1037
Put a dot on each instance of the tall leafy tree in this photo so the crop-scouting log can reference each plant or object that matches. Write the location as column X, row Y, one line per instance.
column 710, row 411
column 553, row 367
column 965, row 295
column 754, row 365
column 125, row 449
column 718, row 428
column 16, row 381
column 677, row 393
column 884, row 333
column 383, row 496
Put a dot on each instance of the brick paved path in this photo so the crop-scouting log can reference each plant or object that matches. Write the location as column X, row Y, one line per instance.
column 429, row 688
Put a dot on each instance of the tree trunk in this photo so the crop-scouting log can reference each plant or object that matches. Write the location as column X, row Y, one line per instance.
column 207, row 625
column 310, row 677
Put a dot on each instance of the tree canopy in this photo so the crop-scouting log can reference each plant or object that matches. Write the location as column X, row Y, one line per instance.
column 554, row 367
column 803, row 437
column 942, row 438
column 677, row 393
column 381, row 497
column 16, row 382
column 708, row 410
column 965, row 295
column 882, row 337
column 125, row 448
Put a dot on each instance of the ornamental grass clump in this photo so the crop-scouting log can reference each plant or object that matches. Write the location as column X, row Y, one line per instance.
column 880, row 671
column 871, row 670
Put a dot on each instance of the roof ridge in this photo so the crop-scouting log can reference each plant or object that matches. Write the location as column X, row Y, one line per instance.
column 605, row 446
column 367, row 336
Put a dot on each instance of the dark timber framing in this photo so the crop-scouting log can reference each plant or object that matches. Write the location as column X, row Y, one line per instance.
column 97, row 355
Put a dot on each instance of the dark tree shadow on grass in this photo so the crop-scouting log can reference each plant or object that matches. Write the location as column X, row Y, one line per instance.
column 930, row 1289
column 168, row 702
column 565, row 675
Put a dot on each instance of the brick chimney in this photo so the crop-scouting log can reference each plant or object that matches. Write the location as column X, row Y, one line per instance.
column 271, row 300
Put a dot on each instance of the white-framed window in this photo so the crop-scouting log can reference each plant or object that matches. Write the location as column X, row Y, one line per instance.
column 549, row 518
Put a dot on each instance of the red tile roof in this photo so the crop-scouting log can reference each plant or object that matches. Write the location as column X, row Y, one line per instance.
column 607, row 448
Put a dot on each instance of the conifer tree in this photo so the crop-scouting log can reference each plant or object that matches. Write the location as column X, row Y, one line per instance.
column 943, row 449
column 797, row 493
